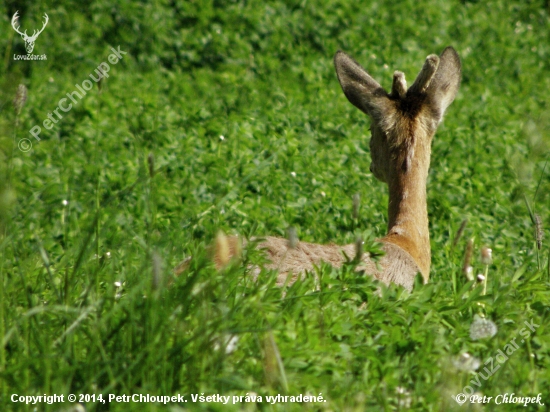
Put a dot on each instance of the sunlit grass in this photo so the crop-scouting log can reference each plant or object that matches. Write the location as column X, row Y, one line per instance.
column 231, row 118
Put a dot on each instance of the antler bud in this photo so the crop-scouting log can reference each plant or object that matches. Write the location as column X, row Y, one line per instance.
column 399, row 86
column 425, row 76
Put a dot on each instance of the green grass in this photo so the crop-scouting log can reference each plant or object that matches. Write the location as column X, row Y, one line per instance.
column 294, row 153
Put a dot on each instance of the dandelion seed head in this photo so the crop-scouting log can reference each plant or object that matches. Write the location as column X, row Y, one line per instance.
column 466, row 362
column 482, row 328
column 486, row 255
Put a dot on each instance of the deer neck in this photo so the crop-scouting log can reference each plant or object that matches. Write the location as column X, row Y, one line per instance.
column 407, row 210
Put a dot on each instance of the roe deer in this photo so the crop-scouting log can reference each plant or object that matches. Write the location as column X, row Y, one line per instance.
column 403, row 123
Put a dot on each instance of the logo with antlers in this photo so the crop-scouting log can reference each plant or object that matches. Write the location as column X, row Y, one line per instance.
column 29, row 40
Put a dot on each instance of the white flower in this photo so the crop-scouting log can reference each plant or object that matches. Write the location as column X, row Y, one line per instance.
column 293, row 174
column 64, row 202
column 404, row 397
column 230, row 346
column 222, row 137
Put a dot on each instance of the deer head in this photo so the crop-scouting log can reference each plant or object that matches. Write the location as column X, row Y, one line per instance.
column 29, row 40
column 404, row 120
column 403, row 124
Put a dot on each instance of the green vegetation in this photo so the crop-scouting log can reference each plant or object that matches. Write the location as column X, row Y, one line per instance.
column 227, row 115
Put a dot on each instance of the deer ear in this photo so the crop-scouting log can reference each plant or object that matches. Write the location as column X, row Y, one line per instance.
column 444, row 85
column 359, row 87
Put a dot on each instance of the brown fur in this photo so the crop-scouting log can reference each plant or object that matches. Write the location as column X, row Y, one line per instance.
column 397, row 266
column 403, row 124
